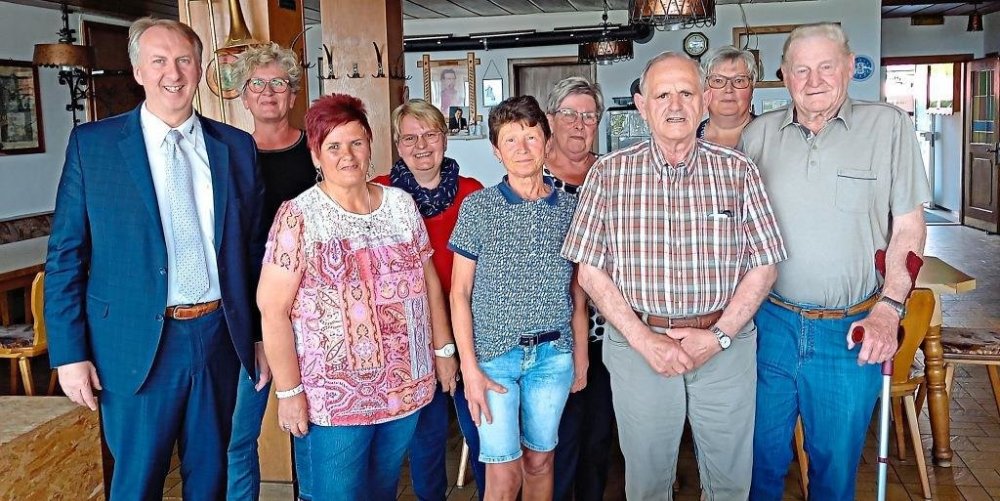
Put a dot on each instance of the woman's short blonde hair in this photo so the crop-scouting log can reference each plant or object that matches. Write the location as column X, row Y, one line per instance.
column 728, row 53
column 425, row 113
column 263, row 55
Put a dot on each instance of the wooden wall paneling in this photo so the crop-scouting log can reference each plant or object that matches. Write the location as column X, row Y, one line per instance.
column 274, row 446
column 266, row 22
column 349, row 28
column 283, row 26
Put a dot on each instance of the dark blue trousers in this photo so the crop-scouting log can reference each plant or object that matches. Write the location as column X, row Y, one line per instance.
column 427, row 448
column 585, row 436
column 188, row 400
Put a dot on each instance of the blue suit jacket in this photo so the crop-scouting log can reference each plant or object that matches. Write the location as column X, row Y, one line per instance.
column 106, row 271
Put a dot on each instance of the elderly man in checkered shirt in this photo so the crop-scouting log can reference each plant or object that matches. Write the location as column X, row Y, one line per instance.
column 677, row 245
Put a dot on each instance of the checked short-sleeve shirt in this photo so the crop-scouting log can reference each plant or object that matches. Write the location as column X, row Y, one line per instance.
column 676, row 240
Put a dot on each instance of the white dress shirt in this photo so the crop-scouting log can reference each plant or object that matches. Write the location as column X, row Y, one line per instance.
column 192, row 144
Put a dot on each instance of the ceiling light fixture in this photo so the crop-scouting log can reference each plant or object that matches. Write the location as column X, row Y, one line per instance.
column 414, row 38
column 975, row 19
column 607, row 49
column 672, row 14
column 500, row 34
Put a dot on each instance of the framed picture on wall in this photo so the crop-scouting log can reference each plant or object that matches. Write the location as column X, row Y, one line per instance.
column 21, row 129
column 450, row 83
column 492, row 91
column 766, row 43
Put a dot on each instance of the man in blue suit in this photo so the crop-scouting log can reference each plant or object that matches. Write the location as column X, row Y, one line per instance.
column 154, row 256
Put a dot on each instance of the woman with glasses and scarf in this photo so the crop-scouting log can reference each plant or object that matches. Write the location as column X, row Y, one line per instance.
column 731, row 74
column 270, row 76
column 433, row 180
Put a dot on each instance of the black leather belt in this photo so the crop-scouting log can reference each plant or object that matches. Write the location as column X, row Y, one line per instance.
column 536, row 339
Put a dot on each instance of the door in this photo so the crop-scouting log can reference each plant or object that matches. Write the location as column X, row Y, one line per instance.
column 981, row 190
column 536, row 76
column 113, row 90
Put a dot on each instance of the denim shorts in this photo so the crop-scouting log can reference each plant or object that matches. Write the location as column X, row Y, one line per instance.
column 538, row 379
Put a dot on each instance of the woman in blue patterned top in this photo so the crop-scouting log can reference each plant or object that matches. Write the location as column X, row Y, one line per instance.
column 519, row 318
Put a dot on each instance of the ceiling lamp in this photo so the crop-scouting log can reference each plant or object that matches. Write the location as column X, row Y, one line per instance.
column 73, row 60
column 672, row 14
column 607, row 49
column 975, row 19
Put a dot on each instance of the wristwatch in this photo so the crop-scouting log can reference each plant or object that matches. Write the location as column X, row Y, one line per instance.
column 896, row 305
column 446, row 351
column 724, row 340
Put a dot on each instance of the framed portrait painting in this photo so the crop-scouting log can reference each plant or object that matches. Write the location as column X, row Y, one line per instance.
column 451, row 83
column 21, row 129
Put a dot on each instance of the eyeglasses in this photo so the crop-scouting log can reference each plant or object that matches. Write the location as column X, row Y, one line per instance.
column 569, row 116
column 432, row 137
column 278, row 85
column 719, row 81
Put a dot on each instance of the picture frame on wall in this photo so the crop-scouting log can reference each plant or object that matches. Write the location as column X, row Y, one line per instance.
column 21, row 130
column 766, row 43
column 492, row 91
column 451, row 83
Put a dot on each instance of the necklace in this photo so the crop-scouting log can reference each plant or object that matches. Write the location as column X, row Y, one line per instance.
column 367, row 221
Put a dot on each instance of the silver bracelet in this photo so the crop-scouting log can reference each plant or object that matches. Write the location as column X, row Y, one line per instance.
column 290, row 393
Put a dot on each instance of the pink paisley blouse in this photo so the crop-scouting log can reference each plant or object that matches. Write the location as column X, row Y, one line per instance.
column 360, row 317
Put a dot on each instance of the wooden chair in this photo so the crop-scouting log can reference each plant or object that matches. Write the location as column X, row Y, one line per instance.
column 974, row 347
column 463, row 464
column 21, row 343
column 905, row 385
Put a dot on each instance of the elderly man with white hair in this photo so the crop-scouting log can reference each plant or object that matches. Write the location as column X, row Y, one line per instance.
column 846, row 179
column 677, row 246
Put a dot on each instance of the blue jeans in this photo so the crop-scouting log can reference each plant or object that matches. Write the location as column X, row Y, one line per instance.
column 303, row 469
column 585, row 440
column 358, row 462
column 538, row 379
column 427, row 449
column 244, row 463
column 804, row 368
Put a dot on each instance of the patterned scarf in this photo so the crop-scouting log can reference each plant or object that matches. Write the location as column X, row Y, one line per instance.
column 429, row 202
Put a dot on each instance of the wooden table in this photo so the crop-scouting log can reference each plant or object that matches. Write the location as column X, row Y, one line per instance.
column 50, row 449
column 19, row 262
column 941, row 278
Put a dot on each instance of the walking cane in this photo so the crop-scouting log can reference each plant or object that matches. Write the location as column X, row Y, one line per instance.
column 913, row 264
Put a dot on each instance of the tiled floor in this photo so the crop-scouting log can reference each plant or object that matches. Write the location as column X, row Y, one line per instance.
column 975, row 430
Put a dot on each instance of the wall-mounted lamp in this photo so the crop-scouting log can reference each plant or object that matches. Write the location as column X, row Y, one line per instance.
column 975, row 19
column 73, row 60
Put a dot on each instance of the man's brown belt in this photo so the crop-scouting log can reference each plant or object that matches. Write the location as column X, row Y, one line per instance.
column 698, row 322
column 189, row 311
column 824, row 314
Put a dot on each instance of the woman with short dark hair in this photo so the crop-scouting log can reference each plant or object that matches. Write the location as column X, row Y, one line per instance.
column 519, row 318
column 350, row 302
